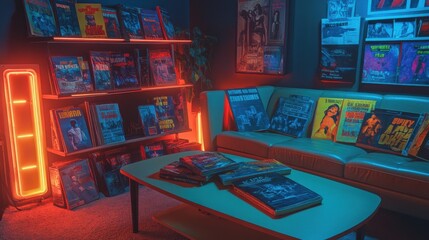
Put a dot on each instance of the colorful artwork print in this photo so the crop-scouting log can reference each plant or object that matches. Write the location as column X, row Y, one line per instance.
column 382, row 6
column 380, row 63
column 414, row 67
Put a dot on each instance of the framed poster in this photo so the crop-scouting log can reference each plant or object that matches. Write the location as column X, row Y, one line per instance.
column 261, row 36
column 387, row 6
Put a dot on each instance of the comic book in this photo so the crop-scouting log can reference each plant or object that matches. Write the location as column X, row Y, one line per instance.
column 208, row 164
column 67, row 75
column 162, row 67
column 417, row 139
column 111, row 21
column 338, row 63
column 341, row 8
column 73, row 129
column 387, row 130
column 123, row 70
column 380, row 29
column 151, row 24
column 166, row 24
column 101, row 69
column 293, row 115
column 108, row 123
column 423, row 27
column 66, row 18
column 130, row 22
column 149, row 120
column 77, row 183
column 91, row 21
column 248, row 110
column 380, row 63
column 176, row 171
column 326, row 118
column 155, row 149
column 404, row 28
column 40, row 18
column 414, row 63
column 352, row 114
column 273, row 59
column 141, row 57
column 165, row 112
column 86, row 74
column 275, row 194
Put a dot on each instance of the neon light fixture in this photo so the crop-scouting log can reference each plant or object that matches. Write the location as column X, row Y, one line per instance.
column 24, row 132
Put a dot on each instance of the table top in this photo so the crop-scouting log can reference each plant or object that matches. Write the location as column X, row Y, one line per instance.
column 344, row 208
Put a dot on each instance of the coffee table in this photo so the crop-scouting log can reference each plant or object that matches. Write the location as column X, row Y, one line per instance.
column 344, row 208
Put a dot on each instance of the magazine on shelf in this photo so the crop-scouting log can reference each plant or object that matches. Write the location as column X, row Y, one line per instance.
column 208, row 163
column 252, row 169
column 414, row 63
column 123, row 70
column 326, row 118
column 166, row 24
column 351, row 118
column 101, row 68
column 380, row 29
column 150, row 150
column 387, row 130
column 417, row 141
column 40, row 18
column 66, row 16
column 247, row 109
column 111, row 21
column 130, row 22
column 149, row 119
column 67, row 75
column 275, row 194
column 380, row 63
column 141, row 57
column 108, row 123
column 151, row 24
column 162, row 67
column 86, row 74
column 166, row 114
column 91, row 21
column 404, row 28
column 338, row 63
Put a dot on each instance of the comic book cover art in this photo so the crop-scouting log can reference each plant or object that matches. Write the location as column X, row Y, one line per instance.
column 208, row 164
column 326, row 118
column 380, row 63
column 248, row 110
column 143, row 66
column 252, row 25
column 109, row 123
column 162, row 67
column 91, row 21
column 414, row 63
column 101, row 68
column 67, row 75
column 351, row 118
column 338, row 63
column 151, row 24
column 387, row 130
column 111, row 21
column 273, row 59
column 155, row 149
column 78, row 183
column 130, row 22
column 73, row 128
column 382, row 6
column 293, row 115
column 67, row 18
column 417, row 141
column 166, row 23
column 341, row 8
column 423, row 27
column 86, row 74
column 177, row 172
column 165, row 112
column 149, row 119
column 380, row 29
column 123, row 69
column 40, row 18
column 404, row 28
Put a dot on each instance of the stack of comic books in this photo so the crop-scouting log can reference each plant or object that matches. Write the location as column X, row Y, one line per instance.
column 208, row 164
column 177, row 172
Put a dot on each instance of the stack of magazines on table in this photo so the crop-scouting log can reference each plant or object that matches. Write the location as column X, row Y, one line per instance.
column 261, row 183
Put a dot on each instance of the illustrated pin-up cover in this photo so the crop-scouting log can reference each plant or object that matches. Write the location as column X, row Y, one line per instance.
column 91, row 21
column 124, row 71
column 67, row 18
column 40, row 18
column 248, row 110
column 78, row 183
column 380, row 63
column 341, row 8
column 404, row 28
column 293, row 115
column 101, row 68
column 67, row 75
column 111, row 21
column 380, row 29
column 109, row 123
column 414, row 63
column 351, row 118
column 326, row 118
column 165, row 112
column 73, row 129
column 162, row 67
column 149, row 119
column 273, row 59
column 130, row 22
column 151, row 24
column 387, row 130
column 338, row 63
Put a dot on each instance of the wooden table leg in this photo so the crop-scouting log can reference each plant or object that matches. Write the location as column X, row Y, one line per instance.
column 134, row 194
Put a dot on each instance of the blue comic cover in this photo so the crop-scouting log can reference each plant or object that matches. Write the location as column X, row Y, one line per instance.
column 414, row 64
column 73, row 129
column 110, row 125
column 123, row 69
column 67, row 18
column 165, row 112
column 130, row 22
column 381, row 63
column 67, row 75
column 111, row 22
column 149, row 119
column 40, row 18
column 273, row 59
column 338, row 63
column 101, row 68
column 151, row 24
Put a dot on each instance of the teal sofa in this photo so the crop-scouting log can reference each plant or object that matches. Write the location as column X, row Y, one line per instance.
column 401, row 182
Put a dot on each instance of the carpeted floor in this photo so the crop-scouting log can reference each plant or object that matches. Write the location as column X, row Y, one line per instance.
column 110, row 218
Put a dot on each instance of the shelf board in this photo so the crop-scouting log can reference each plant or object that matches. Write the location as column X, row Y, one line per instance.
column 396, row 39
column 114, row 40
column 99, row 94
column 98, row 148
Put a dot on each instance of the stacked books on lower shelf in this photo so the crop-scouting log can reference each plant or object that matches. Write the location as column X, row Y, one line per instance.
column 261, row 183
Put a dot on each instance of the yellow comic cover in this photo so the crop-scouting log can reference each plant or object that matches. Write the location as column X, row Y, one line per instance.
column 91, row 21
column 351, row 118
column 326, row 118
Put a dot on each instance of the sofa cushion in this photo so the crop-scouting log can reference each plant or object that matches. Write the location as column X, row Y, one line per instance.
column 254, row 143
column 393, row 172
column 319, row 155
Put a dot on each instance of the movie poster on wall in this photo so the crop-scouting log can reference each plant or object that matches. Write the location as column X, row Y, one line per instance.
column 261, row 26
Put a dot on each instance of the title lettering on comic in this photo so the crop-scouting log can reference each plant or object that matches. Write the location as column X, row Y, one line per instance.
column 94, row 30
column 69, row 114
column 109, row 115
column 397, row 134
column 166, row 124
column 89, row 9
column 38, row 2
column 380, row 50
column 66, row 66
column 422, row 50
